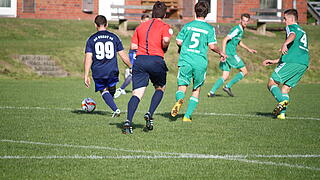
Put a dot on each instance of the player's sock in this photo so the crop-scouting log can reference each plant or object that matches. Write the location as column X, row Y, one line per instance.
column 217, row 85
column 155, row 101
column 276, row 92
column 132, row 107
column 285, row 96
column 235, row 79
column 179, row 95
column 108, row 99
column 193, row 102
column 126, row 82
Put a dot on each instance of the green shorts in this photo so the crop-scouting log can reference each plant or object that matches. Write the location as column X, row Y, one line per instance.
column 288, row 73
column 233, row 61
column 186, row 73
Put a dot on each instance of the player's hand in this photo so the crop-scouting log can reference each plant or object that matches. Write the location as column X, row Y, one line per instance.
column 223, row 57
column 284, row 49
column 252, row 50
column 268, row 62
column 87, row 81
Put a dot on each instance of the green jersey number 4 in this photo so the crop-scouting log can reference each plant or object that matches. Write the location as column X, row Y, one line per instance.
column 304, row 42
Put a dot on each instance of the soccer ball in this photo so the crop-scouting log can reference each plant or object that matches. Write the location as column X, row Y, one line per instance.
column 88, row 105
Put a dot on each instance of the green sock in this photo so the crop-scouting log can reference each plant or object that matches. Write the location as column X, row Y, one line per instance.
column 179, row 95
column 216, row 85
column 276, row 92
column 235, row 79
column 285, row 96
column 193, row 102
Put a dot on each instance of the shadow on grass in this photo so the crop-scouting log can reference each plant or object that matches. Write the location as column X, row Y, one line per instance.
column 134, row 126
column 92, row 113
column 265, row 114
column 168, row 116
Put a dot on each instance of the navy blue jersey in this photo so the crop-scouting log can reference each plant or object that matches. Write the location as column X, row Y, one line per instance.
column 104, row 46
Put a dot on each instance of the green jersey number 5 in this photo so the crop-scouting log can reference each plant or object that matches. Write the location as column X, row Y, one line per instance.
column 195, row 40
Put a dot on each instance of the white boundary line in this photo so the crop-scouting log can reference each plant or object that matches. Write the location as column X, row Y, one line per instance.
column 167, row 155
column 197, row 113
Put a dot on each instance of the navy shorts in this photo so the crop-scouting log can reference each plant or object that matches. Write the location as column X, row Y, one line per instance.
column 101, row 84
column 149, row 67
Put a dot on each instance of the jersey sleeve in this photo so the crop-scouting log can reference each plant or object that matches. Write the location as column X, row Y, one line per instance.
column 234, row 32
column 181, row 34
column 290, row 29
column 167, row 31
column 88, row 46
column 212, row 36
column 134, row 38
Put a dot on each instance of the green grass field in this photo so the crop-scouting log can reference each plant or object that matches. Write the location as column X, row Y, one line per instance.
column 45, row 135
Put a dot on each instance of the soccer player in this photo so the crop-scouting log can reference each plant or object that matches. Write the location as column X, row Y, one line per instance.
column 293, row 62
column 151, row 39
column 128, row 73
column 101, row 56
column 229, row 47
column 194, row 39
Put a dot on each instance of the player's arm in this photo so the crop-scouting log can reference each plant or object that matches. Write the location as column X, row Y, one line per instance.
column 179, row 44
column 268, row 62
column 224, row 43
column 290, row 38
column 247, row 48
column 165, row 43
column 87, row 65
column 125, row 58
column 216, row 49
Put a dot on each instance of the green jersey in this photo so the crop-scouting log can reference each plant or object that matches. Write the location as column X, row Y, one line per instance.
column 298, row 49
column 235, row 34
column 195, row 37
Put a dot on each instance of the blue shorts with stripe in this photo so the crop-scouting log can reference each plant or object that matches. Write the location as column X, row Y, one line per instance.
column 148, row 67
column 101, row 84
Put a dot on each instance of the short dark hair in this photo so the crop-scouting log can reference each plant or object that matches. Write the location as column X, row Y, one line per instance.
column 245, row 15
column 201, row 9
column 144, row 16
column 159, row 10
column 100, row 20
column 292, row 12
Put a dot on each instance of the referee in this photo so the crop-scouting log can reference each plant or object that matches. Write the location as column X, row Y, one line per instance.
column 151, row 40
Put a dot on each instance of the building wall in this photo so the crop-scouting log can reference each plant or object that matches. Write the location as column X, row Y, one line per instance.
column 57, row 9
column 72, row 9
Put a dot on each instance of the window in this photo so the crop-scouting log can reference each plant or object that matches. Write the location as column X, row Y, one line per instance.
column 227, row 8
column 5, row 3
column 268, row 4
column 29, row 6
column 87, row 6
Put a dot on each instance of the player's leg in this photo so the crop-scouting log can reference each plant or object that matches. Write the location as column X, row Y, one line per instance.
column 127, row 81
column 225, row 67
column 158, row 76
column 198, row 81
column 183, row 81
column 140, row 80
column 240, row 75
column 192, row 105
column 285, row 100
column 106, row 87
column 107, row 96
column 180, row 94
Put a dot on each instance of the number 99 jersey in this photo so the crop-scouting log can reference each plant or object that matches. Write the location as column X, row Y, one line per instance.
column 104, row 46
